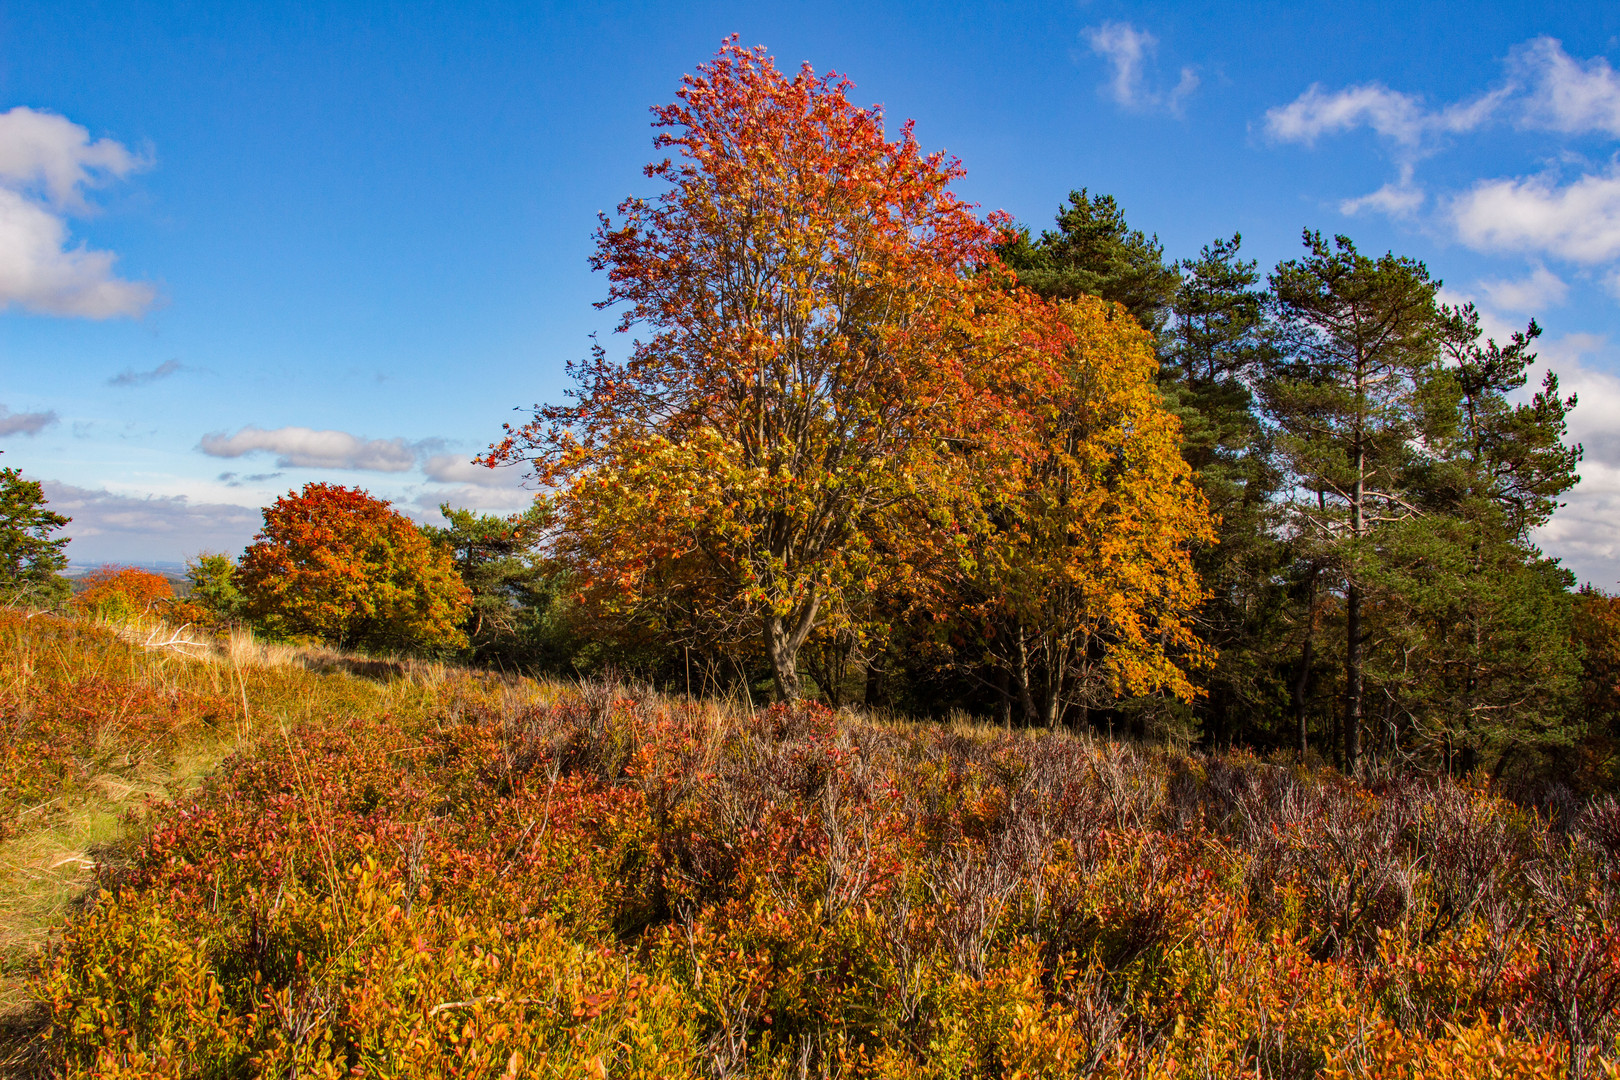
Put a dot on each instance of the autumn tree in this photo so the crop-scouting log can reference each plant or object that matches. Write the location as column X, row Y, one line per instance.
column 1084, row 576
column 826, row 333
column 31, row 558
column 122, row 592
column 337, row 564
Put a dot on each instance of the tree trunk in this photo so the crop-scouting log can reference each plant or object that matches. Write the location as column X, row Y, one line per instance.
column 1352, row 645
column 784, row 660
column 783, row 639
column 1306, row 653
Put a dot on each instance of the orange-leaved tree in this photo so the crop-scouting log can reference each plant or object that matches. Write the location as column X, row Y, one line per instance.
column 121, row 592
column 829, row 330
column 337, row 564
column 1082, row 583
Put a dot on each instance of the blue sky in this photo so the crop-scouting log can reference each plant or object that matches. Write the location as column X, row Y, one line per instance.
column 243, row 247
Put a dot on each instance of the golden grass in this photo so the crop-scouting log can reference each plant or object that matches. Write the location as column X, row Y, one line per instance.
column 251, row 689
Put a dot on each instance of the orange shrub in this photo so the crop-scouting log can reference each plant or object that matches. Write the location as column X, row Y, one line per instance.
column 122, row 592
column 611, row 884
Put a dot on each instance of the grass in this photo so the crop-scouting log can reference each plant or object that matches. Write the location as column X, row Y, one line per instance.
column 107, row 718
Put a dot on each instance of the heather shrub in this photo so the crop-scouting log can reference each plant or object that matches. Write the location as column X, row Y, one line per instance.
column 494, row 877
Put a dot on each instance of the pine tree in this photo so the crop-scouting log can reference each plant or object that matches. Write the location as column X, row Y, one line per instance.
column 1480, row 658
column 1093, row 252
column 31, row 559
column 1361, row 340
column 1217, row 344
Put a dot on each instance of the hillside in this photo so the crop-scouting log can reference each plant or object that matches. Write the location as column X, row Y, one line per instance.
column 409, row 870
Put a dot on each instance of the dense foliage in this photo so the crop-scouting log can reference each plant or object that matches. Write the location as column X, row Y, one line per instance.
column 31, row 557
column 337, row 565
column 120, row 593
column 846, row 411
column 504, row 878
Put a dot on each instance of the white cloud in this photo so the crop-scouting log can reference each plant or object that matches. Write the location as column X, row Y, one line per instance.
column 1579, row 221
column 302, row 447
column 1562, row 93
column 455, row 469
column 486, row 500
column 1542, row 289
column 26, row 423
column 1401, row 198
column 1128, row 51
column 1401, row 118
column 474, row 487
column 1544, row 88
column 110, row 527
column 46, row 162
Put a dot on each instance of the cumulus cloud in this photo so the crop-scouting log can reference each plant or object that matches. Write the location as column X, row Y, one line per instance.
column 109, row 527
column 1542, row 289
column 46, row 163
column 1582, row 533
column 131, row 377
column 1579, row 221
column 1128, row 52
column 25, row 423
column 1401, row 118
column 302, row 447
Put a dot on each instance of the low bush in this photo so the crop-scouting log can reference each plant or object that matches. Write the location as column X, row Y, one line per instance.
column 510, row 879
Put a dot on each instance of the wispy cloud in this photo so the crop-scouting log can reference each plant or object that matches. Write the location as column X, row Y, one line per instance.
column 1544, row 88
column 1400, row 199
column 455, row 469
column 46, row 164
column 473, row 487
column 1561, row 93
column 1129, row 52
column 25, row 423
column 302, row 447
column 1401, row 118
column 131, row 377
column 230, row 479
column 1541, row 289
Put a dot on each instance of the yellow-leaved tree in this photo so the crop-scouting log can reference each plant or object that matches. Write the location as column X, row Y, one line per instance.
column 828, row 329
column 1082, row 587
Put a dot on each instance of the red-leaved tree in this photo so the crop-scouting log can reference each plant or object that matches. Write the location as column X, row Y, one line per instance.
column 334, row 563
column 830, row 341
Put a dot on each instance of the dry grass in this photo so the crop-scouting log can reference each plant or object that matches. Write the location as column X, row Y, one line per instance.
column 171, row 704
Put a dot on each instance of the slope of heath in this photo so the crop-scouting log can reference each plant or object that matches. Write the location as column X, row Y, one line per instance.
column 439, row 873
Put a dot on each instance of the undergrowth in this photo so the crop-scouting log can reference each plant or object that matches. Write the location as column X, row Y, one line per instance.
column 446, row 874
